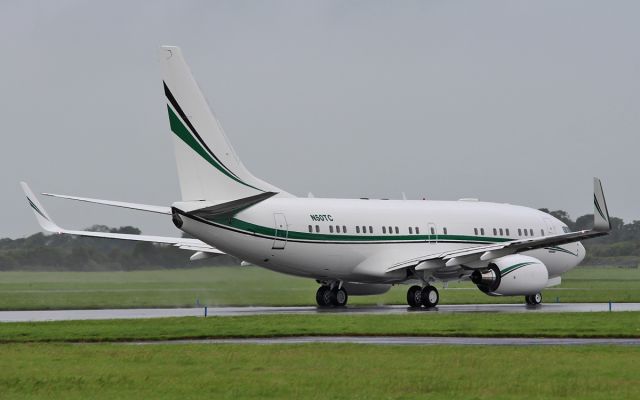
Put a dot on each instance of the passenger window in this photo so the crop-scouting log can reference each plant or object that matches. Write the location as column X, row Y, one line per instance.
column 482, row 231
column 417, row 230
column 444, row 230
column 317, row 228
column 507, row 231
column 500, row 231
column 526, row 233
column 364, row 229
column 330, row 228
column 397, row 230
column 410, row 231
column 495, row 232
column 310, row 228
column 357, row 229
column 519, row 232
column 433, row 231
column 384, row 229
column 531, row 231
column 370, row 229
column 475, row 231
column 541, row 232
column 344, row 229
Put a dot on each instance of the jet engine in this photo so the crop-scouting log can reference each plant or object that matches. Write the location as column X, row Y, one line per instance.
column 511, row 276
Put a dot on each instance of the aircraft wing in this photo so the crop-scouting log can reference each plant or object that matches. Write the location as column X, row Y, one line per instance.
column 470, row 255
column 48, row 225
column 122, row 204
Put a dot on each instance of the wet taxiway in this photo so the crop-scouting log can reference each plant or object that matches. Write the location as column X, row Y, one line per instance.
column 67, row 315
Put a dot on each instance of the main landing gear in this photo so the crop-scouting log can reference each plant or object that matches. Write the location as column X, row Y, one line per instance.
column 427, row 296
column 533, row 299
column 326, row 296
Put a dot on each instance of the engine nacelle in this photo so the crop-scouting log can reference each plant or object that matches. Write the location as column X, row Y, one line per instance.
column 512, row 275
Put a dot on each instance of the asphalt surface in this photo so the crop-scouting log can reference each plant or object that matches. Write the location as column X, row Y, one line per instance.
column 408, row 340
column 67, row 315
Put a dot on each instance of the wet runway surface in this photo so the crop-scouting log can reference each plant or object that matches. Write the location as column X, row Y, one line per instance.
column 408, row 341
column 67, row 315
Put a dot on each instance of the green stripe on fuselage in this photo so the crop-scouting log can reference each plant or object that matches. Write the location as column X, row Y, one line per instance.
column 311, row 236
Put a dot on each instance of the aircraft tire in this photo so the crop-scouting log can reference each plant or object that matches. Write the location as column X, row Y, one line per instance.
column 430, row 296
column 414, row 298
column 323, row 296
column 338, row 297
column 533, row 299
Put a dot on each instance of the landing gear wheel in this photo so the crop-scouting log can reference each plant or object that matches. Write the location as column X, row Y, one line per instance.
column 429, row 296
column 338, row 297
column 414, row 296
column 534, row 299
column 323, row 296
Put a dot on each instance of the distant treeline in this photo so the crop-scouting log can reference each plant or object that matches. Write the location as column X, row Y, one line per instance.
column 41, row 252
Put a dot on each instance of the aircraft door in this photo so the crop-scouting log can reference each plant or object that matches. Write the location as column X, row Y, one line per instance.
column 282, row 231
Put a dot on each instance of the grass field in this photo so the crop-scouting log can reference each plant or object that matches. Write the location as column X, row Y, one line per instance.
column 621, row 324
column 37, row 360
column 255, row 286
column 107, row 371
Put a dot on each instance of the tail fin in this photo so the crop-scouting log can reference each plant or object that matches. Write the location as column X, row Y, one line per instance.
column 208, row 168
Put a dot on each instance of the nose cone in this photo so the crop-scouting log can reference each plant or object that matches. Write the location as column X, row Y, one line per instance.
column 582, row 252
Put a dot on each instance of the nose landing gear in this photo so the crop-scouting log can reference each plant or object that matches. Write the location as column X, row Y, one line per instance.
column 533, row 299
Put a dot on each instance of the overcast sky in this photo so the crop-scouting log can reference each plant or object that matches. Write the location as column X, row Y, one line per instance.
column 508, row 101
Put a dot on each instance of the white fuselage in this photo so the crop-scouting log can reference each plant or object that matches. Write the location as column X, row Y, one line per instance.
column 332, row 238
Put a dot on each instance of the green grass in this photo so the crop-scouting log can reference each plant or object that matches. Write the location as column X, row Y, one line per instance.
column 620, row 324
column 332, row 371
column 218, row 286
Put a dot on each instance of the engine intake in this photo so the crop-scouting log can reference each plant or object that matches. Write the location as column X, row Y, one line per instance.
column 512, row 275
column 488, row 280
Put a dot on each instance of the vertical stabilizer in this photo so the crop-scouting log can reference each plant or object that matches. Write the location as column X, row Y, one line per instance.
column 208, row 167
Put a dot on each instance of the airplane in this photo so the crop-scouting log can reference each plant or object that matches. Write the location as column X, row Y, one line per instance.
column 349, row 246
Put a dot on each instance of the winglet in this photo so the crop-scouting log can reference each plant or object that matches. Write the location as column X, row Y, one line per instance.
column 43, row 218
column 600, row 213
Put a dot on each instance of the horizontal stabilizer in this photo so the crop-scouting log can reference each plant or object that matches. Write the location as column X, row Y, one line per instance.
column 122, row 204
column 231, row 207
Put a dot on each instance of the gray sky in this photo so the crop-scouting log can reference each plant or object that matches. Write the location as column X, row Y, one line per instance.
column 509, row 101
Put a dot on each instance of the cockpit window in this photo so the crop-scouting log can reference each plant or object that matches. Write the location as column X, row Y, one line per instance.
column 565, row 229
